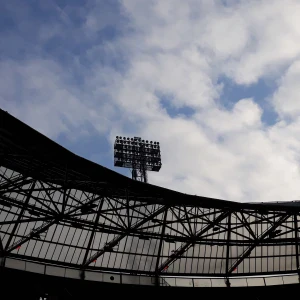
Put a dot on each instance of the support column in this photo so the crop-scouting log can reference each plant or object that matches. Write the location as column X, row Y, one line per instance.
column 160, row 247
column 297, row 245
column 228, row 244
column 2, row 252
column 227, row 282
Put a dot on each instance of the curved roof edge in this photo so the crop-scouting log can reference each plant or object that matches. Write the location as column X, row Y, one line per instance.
column 14, row 133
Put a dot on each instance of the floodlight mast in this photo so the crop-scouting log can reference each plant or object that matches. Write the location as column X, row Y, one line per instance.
column 138, row 155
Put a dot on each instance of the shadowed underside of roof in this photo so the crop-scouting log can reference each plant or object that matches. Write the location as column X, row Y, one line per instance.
column 59, row 208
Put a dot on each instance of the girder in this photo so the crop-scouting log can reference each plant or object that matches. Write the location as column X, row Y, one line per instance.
column 15, row 183
column 65, row 210
column 1, row 247
column 92, row 234
column 162, row 235
column 117, row 239
column 296, row 234
column 19, row 216
column 228, row 243
column 257, row 242
column 45, row 226
column 183, row 248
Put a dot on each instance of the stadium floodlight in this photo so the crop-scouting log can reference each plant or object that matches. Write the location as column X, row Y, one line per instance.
column 138, row 155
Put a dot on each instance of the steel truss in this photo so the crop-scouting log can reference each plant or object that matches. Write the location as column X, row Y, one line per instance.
column 61, row 209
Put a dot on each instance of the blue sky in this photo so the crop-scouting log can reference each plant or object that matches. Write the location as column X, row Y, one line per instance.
column 216, row 82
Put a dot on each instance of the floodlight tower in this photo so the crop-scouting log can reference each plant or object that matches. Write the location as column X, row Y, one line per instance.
column 138, row 155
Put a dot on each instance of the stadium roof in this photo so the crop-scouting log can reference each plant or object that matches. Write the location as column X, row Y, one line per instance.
column 59, row 208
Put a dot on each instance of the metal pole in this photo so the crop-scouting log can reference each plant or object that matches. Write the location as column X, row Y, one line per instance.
column 160, row 247
column 297, row 245
column 228, row 246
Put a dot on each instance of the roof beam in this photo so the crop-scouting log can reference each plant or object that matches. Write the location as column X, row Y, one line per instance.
column 248, row 251
column 118, row 238
column 92, row 234
column 44, row 227
column 20, row 215
column 1, row 247
column 296, row 240
column 25, row 221
column 49, row 196
column 188, row 219
column 39, row 230
column 228, row 243
column 163, row 229
column 16, row 182
column 183, row 248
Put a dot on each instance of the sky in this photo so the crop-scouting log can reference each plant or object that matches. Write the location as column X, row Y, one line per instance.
column 215, row 82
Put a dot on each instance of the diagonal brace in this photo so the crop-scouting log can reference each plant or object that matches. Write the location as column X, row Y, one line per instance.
column 20, row 215
column 93, row 231
column 118, row 238
column 263, row 236
column 27, row 237
column 44, row 227
column 184, row 247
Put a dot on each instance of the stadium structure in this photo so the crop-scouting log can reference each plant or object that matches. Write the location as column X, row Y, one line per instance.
column 69, row 226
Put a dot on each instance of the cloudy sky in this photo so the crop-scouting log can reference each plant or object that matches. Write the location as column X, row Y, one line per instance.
column 215, row 82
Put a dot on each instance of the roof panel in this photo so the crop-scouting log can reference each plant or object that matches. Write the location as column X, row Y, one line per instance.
column 63, row 209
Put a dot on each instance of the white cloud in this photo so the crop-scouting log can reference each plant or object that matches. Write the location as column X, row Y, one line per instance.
column 272, row 39
column 245, row 39
column 179, row 49
column 37, row 92
column 286, row 99
column 218, row 152
column 244, row 116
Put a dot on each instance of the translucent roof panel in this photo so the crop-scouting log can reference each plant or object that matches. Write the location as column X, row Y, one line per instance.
column 61, row 209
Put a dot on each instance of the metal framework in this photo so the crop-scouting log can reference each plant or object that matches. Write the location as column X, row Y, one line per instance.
column 138, row 155
column 58, row 208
